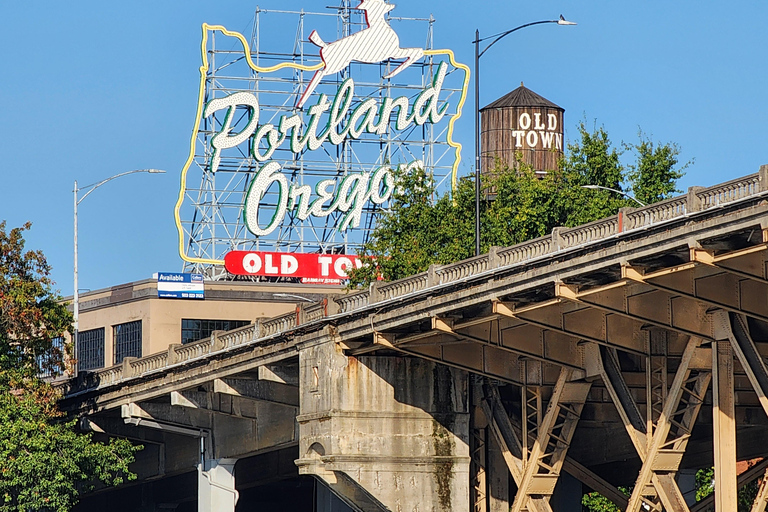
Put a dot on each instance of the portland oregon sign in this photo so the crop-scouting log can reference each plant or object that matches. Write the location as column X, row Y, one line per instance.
column 301, row 127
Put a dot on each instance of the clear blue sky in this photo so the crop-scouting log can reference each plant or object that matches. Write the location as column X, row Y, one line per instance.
column 91, row 89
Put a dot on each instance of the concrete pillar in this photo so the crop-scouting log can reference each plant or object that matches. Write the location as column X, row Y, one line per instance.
column 385, row 433
column 216, row 486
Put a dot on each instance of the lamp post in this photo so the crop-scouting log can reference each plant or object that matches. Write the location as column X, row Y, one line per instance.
column 478, row 53
column 600, row 187
column 292, row 296
column 76, row 296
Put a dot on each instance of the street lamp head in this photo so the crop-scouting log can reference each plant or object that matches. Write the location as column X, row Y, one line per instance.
column 563, row 21
column 155, row 171
column 600, row 187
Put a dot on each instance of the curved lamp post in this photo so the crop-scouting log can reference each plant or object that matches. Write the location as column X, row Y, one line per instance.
column 292, row 296
column 478, row 53
column 76, row 296
column 599, row 187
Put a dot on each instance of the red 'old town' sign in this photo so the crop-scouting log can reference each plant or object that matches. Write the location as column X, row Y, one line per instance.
column 321, row 267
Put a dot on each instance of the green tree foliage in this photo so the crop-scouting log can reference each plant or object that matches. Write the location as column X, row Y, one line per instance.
column 424, row 228
column 417, row 226
column 596, row 502
column 44, row 462
column 705, row 485
column 31, row 316
column 654, row 176
column 591, row 160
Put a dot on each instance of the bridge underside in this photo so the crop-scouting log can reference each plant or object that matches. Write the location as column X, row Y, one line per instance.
column 629, row 363
column 629, row 374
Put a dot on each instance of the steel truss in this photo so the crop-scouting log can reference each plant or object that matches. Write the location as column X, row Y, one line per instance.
column 212, row 217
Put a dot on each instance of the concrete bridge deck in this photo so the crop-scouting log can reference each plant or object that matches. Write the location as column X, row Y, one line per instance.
column 624, row 352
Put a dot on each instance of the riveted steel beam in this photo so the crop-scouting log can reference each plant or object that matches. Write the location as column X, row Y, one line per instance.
column 488, row 361
column 706, row 504
column 545, row 459
column 511, row 448
column 585, row 324
column 748, row 263
column 713, row 299
column 761, row 500
column 671, row 435
column 724, row 427
column 736, row 329
column 567, row 352
column 655, row 308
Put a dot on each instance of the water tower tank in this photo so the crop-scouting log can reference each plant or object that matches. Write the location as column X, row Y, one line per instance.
column 521, row 122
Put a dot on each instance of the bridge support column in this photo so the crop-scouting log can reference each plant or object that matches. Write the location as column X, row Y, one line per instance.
column 216, row 486
column 724, row 427
column 385, row 432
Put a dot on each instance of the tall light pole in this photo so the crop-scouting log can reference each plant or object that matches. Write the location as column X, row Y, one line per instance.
column 76, row 296
column 478, row 53
column 600, row 187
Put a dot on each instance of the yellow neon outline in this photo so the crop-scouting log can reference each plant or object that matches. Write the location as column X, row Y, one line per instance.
column 459, row 109
column 246, row 51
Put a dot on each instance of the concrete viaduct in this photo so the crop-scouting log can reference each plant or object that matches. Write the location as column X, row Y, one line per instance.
column 626, row 352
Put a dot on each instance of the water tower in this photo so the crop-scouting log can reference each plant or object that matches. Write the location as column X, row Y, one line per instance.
column 521, row 122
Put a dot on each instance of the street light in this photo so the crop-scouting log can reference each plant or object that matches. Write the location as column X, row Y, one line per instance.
column 292, row 296
column 496, row 38
column 76, row 296
column 599, row 187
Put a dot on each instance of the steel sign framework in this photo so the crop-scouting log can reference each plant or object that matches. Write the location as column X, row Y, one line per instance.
column 266, row 174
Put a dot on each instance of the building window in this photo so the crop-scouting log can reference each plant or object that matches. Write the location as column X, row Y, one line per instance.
column 127, row 340
column 90, row 349
column 48, row 363
column 194, row 330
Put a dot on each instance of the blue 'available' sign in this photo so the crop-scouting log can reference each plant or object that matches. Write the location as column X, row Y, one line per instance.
column 180, row 286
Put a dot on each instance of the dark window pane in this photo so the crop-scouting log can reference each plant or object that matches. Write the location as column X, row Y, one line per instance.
column 127, row 339
column 194, row 330
column 48, row 362
column 90, row 349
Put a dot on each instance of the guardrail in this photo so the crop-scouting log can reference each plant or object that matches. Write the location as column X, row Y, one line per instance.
column 697, row 199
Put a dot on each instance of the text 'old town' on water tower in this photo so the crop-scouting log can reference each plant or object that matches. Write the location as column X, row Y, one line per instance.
column 521, row 122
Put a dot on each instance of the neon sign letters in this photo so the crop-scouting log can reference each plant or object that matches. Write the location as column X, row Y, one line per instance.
column 354, row 190
column 299, row 196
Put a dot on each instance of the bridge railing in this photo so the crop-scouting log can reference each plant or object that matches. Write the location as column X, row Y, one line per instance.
column 597, row 230
column 731, row 190
column 561, row 239
column 523, row 252
column 657, row 212
column 278, row 324
column 462, row 269
column 147, row 364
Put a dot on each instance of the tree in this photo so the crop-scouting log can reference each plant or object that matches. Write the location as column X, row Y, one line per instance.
column 424, row 228
column 596, row 502
column 592, row 160
column 417, row 227
column 654, row 176
column 44, row 461
column 705, row 485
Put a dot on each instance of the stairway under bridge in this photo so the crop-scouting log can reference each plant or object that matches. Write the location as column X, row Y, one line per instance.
column 625, row 353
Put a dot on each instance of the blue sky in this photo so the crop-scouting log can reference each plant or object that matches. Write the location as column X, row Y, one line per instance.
column 91, row 89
